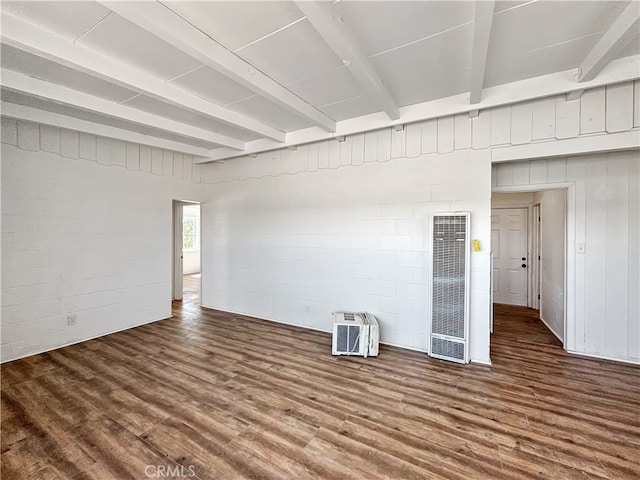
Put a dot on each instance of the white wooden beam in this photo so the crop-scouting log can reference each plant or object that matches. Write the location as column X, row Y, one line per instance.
column 611, row 142
column 331, row 28
column 24, row 36
column 35, row 115
column 618, row 36
column 560, row 83
column 481, row 36
column 162, row 22
column 32, row 86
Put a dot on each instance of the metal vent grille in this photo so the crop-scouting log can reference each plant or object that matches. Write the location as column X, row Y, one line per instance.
column 447, row 349
column 348, row 340
column 448, row 285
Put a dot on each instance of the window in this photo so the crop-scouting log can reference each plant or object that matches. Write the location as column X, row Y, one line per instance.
column 190, row 234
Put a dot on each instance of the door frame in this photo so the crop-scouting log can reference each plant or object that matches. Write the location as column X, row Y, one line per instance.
column 569, row 250
column 534, row 273
column 176, row 247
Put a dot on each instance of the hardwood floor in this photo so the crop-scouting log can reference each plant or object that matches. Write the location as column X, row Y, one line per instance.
column 210, row 395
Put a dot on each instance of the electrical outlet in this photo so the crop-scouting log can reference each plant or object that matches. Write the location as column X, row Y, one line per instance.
column 71, row 319
column 307, row 308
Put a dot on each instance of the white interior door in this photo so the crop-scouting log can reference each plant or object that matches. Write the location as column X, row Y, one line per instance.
column 510, row 261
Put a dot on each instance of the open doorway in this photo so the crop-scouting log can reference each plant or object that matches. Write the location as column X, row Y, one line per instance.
column 186, row 252
column 529, row 244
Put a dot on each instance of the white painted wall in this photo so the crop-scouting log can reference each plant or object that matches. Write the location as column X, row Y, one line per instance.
column 350, row 237
column 88, row 235
column 604, row 311
column 191, row 258
column 552, row 255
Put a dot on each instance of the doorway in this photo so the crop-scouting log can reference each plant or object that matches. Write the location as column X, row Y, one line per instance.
column 186, row 252
column 529, row 252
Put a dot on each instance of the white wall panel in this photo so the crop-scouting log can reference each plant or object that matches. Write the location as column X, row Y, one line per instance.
column 398, row 142
column 481, row 130
column 619, row 107
column 118, row 153
column 544, row 119
column 445, row 134
column 462, row 131
column 429, row 142
column 617, row 255
column 103, row 150
column 414, row 140
column 357, row 150
column 567, row 118
column 145, row 158
column 49, row 139
column 28, row 136
column 133, row 156
column 9, row 133
column 384, row 145
column 521, row 123
column 88, row 147
column 501, row 125
column 592, row 111
column 167, row 162
column 69, row 144
column 370, row 146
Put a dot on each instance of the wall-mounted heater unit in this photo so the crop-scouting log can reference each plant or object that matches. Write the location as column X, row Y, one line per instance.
column 449, row 336
column 355, row 333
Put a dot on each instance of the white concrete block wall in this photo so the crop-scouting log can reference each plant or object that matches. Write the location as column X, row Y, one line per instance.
column 311, row 236
column 606, row 318
column 87, row 236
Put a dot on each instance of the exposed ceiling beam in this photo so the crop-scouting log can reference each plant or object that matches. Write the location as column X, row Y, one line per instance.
column 22, row 35
column 331, row 28
column 618, row 36
column 481, row 36
column 165, row 24
column 21, row 112
column 560, row 83
column 32, row 86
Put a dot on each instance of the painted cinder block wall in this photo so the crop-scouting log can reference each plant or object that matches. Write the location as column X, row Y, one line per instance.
column 86, row 231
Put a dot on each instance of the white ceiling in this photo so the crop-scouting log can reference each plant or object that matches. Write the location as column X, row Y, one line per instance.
column 255, row 70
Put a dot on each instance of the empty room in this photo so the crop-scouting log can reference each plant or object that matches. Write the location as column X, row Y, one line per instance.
column 320, row 240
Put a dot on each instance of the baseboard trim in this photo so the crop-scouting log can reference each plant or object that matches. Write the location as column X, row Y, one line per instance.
column 75, row 342
column 552, row 330
column 593, row 356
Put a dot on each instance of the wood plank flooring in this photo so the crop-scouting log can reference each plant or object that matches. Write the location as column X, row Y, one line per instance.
column 210, row 395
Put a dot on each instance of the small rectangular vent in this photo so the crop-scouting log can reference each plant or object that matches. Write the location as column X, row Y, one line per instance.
column 447, row 349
